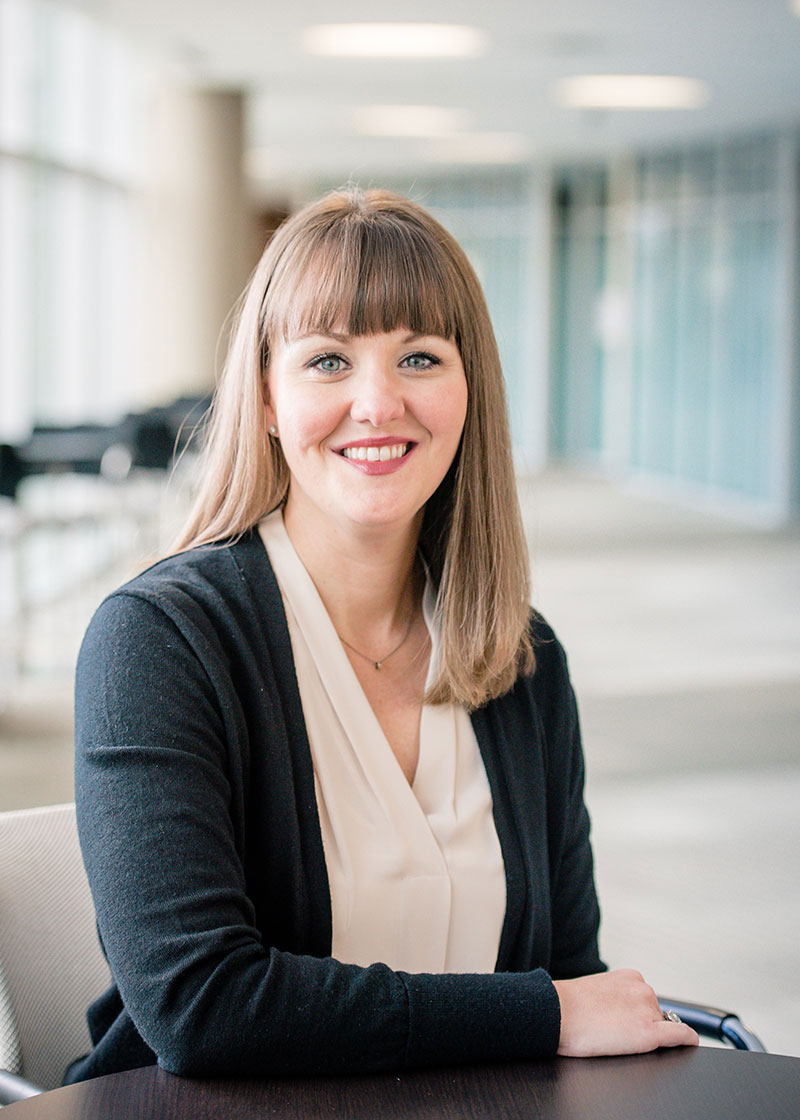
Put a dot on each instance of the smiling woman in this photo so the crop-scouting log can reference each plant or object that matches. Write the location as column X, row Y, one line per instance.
column 331, row 813
column 356, row 266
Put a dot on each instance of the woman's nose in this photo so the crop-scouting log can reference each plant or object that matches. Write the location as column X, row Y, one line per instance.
column 377, row 398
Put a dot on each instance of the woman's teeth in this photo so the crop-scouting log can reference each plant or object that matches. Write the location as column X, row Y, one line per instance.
column 376, row 454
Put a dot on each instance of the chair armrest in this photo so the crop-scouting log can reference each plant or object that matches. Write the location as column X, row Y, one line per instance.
column 13, row 1088
column 711, row 1022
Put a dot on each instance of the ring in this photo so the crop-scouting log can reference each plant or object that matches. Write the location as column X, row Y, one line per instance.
column 672, row 1017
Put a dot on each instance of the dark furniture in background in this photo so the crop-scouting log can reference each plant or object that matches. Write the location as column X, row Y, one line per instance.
column 147, row 439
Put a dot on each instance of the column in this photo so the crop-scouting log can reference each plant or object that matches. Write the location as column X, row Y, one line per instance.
column 194, row 224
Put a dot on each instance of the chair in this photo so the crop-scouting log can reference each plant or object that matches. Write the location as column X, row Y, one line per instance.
column 51, row 964
column 711, row 1022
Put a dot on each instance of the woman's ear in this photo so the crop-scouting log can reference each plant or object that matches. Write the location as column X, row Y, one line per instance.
column 269, row 412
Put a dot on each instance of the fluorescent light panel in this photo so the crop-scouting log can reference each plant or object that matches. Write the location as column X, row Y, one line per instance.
column 394, row 40
column 631, row 91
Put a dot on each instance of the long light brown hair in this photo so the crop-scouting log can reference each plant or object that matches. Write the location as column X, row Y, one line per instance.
column 365, row 262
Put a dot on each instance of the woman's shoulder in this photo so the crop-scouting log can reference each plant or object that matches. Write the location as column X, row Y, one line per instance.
column 200, row 616
column 218, row 567
column 213, row 561
column 199, row 587
column 547, row 685
column 536, row 720
column 550, row 655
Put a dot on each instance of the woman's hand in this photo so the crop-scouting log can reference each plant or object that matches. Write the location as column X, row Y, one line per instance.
column 614, row 1013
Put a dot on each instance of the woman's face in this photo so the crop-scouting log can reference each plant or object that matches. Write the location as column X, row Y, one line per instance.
column 368, row 424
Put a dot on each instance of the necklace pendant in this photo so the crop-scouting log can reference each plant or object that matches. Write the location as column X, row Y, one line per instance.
column 378, row 665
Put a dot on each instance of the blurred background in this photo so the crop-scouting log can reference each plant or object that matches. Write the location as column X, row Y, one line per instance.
column 626, row 180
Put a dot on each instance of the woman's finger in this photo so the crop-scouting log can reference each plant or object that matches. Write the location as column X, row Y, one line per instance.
column 676, row 1033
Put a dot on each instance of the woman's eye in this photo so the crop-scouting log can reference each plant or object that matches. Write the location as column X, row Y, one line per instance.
column 421, row 360
column 327, row 363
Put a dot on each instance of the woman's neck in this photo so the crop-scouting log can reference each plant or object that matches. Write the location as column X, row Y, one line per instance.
column 368, row 579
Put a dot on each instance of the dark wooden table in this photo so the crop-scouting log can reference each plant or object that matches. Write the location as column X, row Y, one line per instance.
column 686, row 1084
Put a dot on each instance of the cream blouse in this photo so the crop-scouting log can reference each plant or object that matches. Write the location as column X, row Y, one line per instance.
column 416, row 872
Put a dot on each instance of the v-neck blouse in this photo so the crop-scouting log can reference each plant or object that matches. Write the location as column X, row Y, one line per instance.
column 416, row 872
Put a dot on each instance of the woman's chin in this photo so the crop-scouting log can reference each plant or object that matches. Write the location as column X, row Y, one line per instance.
column 376, row 515
column 386, row 519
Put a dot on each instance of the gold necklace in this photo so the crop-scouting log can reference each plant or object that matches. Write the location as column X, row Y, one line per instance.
column 379, row 664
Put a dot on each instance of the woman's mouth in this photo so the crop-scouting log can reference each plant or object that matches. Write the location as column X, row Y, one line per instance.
column 374, row 454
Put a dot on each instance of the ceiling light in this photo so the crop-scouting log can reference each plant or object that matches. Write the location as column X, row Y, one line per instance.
column 394, row 40
column 631, row 91
column 408, row 120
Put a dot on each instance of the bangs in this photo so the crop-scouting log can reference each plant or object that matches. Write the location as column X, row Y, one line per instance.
column 364, row 275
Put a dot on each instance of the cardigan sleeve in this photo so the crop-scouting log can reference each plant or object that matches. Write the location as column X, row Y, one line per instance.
column 155, row 800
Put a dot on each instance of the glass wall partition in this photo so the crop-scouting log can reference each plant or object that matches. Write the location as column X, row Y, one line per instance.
column 710, row 235
column 707, row 305
column 579, row 270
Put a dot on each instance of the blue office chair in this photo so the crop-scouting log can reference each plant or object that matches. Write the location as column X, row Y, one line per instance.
column 711, row 1022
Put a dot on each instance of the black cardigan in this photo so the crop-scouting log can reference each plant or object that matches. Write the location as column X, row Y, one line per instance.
column 199, row 829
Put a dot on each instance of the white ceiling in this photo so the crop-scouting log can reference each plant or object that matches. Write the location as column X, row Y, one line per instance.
column 300, row 108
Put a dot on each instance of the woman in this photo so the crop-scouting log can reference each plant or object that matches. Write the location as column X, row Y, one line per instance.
column 329, row 775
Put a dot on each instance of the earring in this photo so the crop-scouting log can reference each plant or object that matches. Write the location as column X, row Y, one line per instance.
column 273, row 431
